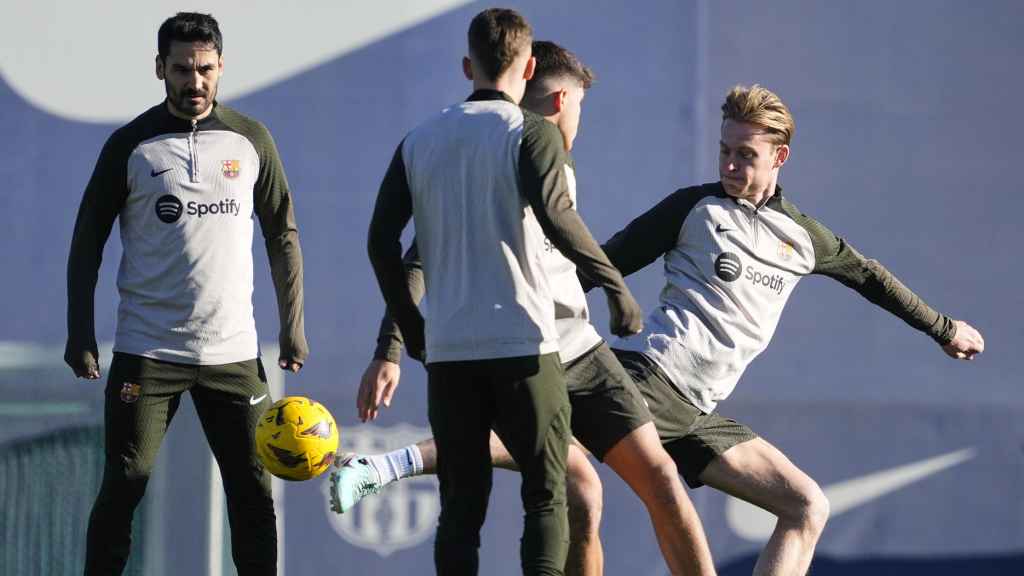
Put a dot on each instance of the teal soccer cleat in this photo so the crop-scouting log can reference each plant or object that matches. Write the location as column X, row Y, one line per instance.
column 355, row 479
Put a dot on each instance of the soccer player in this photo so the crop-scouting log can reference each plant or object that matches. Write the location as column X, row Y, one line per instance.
column 608, row 414
column 485, row 182
column 185, row 179
column 733, row 252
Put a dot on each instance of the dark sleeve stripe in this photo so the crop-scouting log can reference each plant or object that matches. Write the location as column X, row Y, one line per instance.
column 389, row 336
column 653, row 233
column 543, row 182
column 391, row 213
column 835, row 258
column 102, row 201
column 272, row 202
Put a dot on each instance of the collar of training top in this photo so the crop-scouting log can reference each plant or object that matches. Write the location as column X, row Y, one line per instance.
column 772, row 200
column 488, row 94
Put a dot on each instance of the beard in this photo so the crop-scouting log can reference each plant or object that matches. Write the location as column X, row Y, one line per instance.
column 181, row 100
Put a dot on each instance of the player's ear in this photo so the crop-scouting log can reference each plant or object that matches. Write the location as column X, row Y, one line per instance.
column 531, row 67
column 558, row 98
column 467, row 67
column 159, row 67
column 781, row 155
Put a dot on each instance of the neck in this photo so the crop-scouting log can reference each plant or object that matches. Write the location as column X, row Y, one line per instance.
column 179, row 114
column 502, row 84
column 767, row 193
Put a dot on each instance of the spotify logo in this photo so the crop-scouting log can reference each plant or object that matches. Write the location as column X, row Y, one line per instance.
column 168, row 208
column 728, row 266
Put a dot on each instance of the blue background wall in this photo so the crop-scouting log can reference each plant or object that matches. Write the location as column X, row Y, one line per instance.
column 906, row 144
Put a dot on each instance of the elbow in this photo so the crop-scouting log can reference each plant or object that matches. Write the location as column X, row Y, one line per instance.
column 374, row 245
column 377, row 251
column 282, row 236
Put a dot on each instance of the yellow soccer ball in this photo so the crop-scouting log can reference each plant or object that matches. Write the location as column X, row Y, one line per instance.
column 296, row 438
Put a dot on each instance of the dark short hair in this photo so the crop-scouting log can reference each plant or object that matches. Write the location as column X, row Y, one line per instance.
column 553, row 62
column 496, row 37
column 188, row 27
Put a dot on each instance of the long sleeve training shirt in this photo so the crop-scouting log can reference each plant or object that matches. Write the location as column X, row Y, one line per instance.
column 186, row 193
column 730, row 268
column 485, row 182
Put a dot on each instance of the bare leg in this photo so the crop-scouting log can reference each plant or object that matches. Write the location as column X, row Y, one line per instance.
column 428, row 451
column 586, row 499
column 641, row 461
column 759, row 473
column 500, row 458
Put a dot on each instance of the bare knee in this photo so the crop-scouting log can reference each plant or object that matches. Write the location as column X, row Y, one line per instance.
column 809, row 508
column 660, row 484
column 817, row 510
column 585, row 499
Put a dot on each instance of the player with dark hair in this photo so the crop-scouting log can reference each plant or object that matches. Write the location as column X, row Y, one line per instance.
column 185, row 180
column 491, row 343
column 609, row 416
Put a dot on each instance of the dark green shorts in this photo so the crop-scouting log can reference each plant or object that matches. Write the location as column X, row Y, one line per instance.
column 692, row 438
column 606, row 405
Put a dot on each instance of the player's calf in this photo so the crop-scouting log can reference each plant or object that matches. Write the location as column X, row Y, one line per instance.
column 585, row 498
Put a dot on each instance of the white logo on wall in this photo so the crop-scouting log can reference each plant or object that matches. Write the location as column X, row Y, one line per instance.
column 72, row 36
column 404, row 514
column 752, row 523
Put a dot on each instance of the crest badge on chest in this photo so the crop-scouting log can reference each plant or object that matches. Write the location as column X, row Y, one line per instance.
column 785, row 250
column 230, row 168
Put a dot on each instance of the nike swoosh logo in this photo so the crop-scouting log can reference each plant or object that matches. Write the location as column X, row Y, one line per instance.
column 28, row 58
column 719, row 229
column 154, row 173
column 752, row 523
column 254, row 401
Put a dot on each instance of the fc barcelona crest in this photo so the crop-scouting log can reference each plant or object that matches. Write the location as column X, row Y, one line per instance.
column 230, row 168
column 785, row 250
column 130, row 392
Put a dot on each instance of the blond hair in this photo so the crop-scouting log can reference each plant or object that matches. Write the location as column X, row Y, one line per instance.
column 760, row 106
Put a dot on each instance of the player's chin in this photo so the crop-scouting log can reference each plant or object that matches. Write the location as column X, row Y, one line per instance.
column 195, row 107
column 733, row 188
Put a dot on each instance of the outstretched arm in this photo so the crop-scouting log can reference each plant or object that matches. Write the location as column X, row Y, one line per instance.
column 650, row 235
column 835, row 258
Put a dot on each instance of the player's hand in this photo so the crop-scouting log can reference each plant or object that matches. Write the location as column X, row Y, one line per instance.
column 290, row 364
column 626, row 317
column 84, row 362
column 377, row 387
column 966, row 343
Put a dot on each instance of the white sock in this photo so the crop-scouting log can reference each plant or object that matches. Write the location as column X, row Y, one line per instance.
column 397, row 464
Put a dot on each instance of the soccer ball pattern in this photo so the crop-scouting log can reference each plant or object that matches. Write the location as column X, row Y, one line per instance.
column 296, row 438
